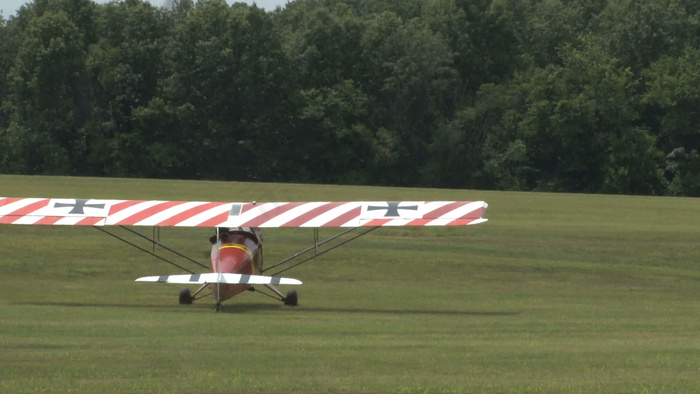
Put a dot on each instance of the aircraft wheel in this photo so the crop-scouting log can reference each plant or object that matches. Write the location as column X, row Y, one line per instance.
column 185, row 296
column 292, row 298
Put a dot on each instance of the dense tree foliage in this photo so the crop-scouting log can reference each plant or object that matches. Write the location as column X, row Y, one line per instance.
column 552, row 95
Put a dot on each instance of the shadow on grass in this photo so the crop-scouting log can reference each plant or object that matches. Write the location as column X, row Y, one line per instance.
column 103, row 305
column 267, row 307
column 256, row 307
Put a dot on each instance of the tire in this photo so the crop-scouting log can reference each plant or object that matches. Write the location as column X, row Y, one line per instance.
column 185, row 297
column 292, row 298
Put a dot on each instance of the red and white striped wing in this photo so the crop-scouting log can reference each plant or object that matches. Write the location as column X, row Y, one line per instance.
column 56, row 211
column 50, row 211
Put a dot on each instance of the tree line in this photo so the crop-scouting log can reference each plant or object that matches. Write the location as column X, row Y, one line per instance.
column 596, row 96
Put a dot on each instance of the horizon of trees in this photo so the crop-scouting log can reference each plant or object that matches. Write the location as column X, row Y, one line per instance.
column 594, row 96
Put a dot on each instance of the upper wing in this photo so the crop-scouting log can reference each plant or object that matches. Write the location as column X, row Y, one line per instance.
column 87, row 212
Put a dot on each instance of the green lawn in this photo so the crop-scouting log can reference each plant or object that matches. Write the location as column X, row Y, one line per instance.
column 556, row 293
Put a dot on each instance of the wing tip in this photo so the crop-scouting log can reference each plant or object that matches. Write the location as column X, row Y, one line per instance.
column 147, row 279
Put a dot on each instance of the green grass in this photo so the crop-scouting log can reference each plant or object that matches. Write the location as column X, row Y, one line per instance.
column 556, row 293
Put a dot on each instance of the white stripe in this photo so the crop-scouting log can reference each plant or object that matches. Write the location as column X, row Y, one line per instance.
column 445, row 222
column 391, row 223
column 354, row 222
column 168, row 213
column 128, row 212
column 64, row 221
column 207, row 215
column 28, row 219
column 70, row 220
column 9, row 208
column 440, row 222
column 334, row 213
column 406, row 222
column 433, row 205
column 292, row 214
column 252, row 214
column 462, row 210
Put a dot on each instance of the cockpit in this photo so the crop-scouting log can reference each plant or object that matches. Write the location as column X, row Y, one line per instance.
column 228, row 234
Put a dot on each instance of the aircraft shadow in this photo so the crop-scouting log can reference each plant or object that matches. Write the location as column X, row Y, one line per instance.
column 101, row 305
column 306, row 308
column 242, row 308
column 412, row 312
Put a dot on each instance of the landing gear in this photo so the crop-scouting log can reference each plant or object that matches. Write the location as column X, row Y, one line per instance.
column 186, row 297
column 292, row 298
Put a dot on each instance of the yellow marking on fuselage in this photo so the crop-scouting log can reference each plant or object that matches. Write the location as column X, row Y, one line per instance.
column 237, row 246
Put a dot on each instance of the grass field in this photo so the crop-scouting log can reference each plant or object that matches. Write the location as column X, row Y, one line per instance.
column 556, row 293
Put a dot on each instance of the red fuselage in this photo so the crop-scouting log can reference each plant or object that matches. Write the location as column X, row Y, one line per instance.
column 236, row 253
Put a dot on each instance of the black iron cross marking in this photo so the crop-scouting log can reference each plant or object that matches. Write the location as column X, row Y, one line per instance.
column 392, row 208
column 78, row 206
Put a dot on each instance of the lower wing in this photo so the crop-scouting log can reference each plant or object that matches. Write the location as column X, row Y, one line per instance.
column 221, row 278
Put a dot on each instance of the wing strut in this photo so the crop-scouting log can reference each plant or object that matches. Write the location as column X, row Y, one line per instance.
column 152, row 253
column 317, row 250
column 218, row 268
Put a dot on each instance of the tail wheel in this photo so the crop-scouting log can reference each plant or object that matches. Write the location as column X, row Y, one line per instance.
column 292, row 298
column 185, row 297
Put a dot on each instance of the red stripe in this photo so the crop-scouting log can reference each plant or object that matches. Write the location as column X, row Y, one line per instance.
column 8, row 219
column 300, row 220
column 271, row 214
column 118, row 207
column 148, row 212
column 344, row 218
column 216, row 221
column 377, row 222
column 9, row 200
column 437, row 213
column 419, row 222
column 461, row 222
column 48, row 220
column 180, row 217
column 51, row 220
column 456, row 222
column 475, row 214
column 89, row 221
column 24, row 211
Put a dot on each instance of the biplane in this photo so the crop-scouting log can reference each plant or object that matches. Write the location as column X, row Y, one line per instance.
column 236, row 256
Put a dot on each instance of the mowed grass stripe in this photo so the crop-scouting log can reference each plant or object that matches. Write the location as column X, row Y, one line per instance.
column 556, row 293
